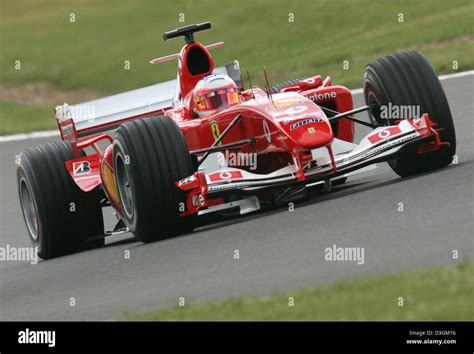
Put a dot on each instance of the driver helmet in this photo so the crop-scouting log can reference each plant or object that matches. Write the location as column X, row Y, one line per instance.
column 214, row 92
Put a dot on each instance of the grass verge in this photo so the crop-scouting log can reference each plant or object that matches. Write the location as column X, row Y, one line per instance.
column 292, row 39
column 17, row 118
column 438, row 294
column 87, row 44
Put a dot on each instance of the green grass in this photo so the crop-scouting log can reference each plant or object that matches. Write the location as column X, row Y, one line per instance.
column 90, row 52
column 16, row 118
column 438, row 294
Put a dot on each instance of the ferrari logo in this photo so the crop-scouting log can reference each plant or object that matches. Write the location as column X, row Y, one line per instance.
column 311, row 130
column 215, row 130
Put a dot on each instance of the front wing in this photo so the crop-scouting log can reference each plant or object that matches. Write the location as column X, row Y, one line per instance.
column 203, row 188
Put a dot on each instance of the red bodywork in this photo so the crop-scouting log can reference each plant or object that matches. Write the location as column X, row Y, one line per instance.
column 262, row 119
column 284, row 128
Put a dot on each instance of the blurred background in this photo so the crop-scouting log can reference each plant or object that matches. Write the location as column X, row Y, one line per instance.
column 71, row 51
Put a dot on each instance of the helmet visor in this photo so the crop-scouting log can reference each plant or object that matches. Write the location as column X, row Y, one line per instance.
column 217, row 99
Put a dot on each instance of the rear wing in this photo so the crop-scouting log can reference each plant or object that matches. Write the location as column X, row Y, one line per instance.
column 91, row 117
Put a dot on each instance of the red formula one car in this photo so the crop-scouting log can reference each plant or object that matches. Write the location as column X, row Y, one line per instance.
column 203, row 143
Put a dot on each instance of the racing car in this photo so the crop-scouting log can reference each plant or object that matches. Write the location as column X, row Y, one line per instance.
column 164, row 155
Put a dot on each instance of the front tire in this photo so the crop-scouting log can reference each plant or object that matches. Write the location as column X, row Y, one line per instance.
column 407, row 79
column 60, row 217
column 150, row 155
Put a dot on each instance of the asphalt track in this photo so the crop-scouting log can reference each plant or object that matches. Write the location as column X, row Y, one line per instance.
column 279, row 250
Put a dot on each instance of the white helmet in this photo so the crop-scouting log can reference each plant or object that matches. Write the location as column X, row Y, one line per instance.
column 213, row 92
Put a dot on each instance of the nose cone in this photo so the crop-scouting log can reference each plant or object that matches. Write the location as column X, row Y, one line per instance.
column 309, row 132
column 303, row 121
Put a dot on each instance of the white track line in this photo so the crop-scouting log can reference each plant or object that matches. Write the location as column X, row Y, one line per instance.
column 455, row 75
column 53, row 133
column 357, row 91
column 26, row 136
column 442, row 78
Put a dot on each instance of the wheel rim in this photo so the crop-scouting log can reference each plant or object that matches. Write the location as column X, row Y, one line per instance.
column 374, row 112
column 124, row 186
column 29, row 209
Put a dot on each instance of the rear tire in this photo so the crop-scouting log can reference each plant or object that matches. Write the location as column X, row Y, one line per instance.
column 282, row 85
column 150, row 155
column 46, row 190
column 407, row 79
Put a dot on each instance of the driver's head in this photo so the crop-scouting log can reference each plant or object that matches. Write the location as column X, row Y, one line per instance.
column 214, row 92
